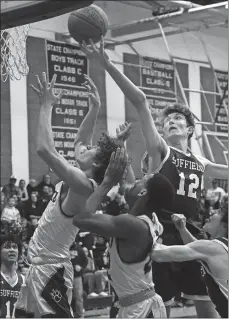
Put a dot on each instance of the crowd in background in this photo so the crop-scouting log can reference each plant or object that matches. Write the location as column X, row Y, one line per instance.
column 24, row 205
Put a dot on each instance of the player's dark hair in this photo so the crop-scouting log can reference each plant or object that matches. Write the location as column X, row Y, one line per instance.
column 160, row 192
column 179, row 108
column 107, row 145
column 11, row 238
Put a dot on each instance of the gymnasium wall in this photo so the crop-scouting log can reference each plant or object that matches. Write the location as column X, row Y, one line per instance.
column 19, row 105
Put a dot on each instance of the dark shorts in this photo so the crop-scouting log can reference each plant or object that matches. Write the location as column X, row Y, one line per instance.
column 174, row 278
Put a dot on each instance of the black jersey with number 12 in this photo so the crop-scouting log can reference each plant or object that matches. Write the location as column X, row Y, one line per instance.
column 185, row 172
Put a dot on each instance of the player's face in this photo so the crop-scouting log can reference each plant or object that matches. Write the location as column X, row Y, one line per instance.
column 213, row 224
column 175, row 125
column 87, row 156
column 132, row 194
column 9, row 252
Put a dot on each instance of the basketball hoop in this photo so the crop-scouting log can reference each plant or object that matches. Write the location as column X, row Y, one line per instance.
column 13, row 53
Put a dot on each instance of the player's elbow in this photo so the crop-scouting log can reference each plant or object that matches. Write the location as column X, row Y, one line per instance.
column 140, row 98
column 41, row 151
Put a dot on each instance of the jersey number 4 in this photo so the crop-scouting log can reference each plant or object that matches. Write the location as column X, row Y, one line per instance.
column 192, row 186
column 8, row 315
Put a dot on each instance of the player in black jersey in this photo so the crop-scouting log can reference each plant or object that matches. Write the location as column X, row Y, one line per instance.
column 169, row 155
column 11, row 281
column 213, row 254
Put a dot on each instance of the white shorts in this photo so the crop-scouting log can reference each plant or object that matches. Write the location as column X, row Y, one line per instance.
column 47, row 291
column 149, row 308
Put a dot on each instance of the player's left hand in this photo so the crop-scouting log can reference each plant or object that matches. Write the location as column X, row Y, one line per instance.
column 116, row 167
column 45, row 91
column 123, row 131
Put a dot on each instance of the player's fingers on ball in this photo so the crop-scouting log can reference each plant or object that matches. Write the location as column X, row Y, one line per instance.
column 101, row 47
column 92, row 45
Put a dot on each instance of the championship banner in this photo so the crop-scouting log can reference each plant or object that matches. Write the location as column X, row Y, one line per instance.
column 69, row 63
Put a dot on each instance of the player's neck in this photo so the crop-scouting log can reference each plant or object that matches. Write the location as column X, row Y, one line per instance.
column 8, row 269
column 181, row 144
column 218, row 234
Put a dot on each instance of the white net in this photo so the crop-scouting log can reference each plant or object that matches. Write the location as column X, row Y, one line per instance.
column 13, row 53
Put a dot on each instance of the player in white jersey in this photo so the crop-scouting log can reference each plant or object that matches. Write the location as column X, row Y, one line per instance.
column 48, row 286
column 132, row 236
column 213, row 254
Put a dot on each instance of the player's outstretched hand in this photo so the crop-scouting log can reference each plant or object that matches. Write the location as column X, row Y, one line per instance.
column 179, row 221
column 123, row 131
column 45, row 91
column 92, row 51
column 116, row 167
column 92, row 90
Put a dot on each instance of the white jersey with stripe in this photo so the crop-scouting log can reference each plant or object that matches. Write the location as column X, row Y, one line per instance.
column 55, row 232
column 129, row 278
column 222, row 283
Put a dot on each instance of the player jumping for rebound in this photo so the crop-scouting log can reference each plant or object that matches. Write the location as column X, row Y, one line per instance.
column 48, row 288
column 169, row 155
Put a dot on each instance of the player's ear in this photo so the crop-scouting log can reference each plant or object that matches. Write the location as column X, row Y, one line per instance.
column 190, row 130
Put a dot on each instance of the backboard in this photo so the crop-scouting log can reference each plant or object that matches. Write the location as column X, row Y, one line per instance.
column 16, row 13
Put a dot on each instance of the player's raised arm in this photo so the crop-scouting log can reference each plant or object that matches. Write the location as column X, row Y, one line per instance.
column 122, row 133
column 86, row 129
column 74, row 177
column 154, row 142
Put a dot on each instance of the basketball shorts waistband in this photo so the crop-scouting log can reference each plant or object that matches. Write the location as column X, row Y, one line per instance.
column 137, row 297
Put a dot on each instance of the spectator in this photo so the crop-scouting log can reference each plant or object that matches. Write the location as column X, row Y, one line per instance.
column 32, row 187
column 10, row 212
column 3, row 201
column 95, row 280
column 79, row 262
column 50, row 192
column 44, row 197
column 33, row 211
column 215, row 194
column 11, row 189
column 86, row 239
column 23, row 193
column 46, row 182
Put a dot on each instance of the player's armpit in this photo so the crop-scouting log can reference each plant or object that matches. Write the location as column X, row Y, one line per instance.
column 72, row 176
column 123, row 226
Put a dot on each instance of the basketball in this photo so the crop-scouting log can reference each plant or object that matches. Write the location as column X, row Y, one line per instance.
column 90, row 22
